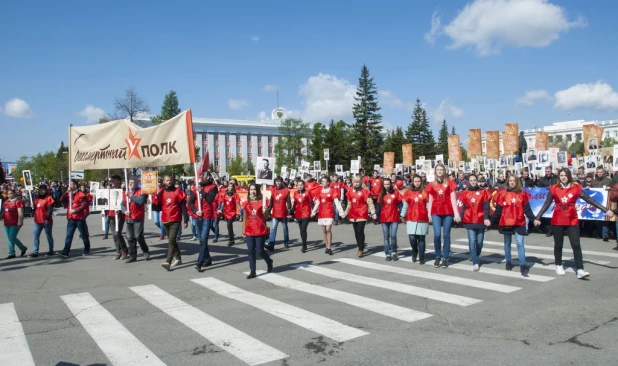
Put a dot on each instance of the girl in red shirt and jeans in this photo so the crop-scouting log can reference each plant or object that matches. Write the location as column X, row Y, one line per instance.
column 389, row 200
column 254, row 229
column 13, row 215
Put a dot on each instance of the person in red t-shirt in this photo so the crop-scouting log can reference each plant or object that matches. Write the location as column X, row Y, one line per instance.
column 206, row 198
column 76, row 219
column 414, row 212
column 324, row 208
column 442, row 213
column 254, row 229
column 360, row 206
column 279, row 206
column 512, row 205
column 173, row 211
column 474, row 211
column 337, row 185
column 230, row 204
column 389, row 200
column 13, row 216
column 301, row 211
column 43, row 220
column 564, row 219
column 374, row 184
column 135, row 219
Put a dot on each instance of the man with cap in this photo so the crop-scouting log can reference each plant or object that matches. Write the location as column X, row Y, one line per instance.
column 76, row 218
column 113, row 215
column 135, row 219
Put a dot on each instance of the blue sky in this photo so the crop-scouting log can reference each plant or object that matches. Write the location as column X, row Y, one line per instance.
column 477, row 64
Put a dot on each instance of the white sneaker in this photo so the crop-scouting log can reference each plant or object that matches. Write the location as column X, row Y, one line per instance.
column 194, row 238
column 176, row 263
column 475, row 267
column 560, row 270
column 582, row 274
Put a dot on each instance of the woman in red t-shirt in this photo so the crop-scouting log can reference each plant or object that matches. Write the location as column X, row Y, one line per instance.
column 416, row 216
column 388, row 200
column 43, row 220
column 565, row 220
column 254, row 229
column 230, row 203
column 13, row 216
column 360, row 206
column 474, row 211
column 324, row 199
column 301, row 211
column 442, row 213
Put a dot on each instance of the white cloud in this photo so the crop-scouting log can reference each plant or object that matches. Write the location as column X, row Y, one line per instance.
column 262, row 115
column 436, row 29
column 532, row 96
column 599, row 95
column 91, row 113
column 490, row 25
column 389, row 98
column 18, row 108
column 237, row 103
column 255, row 38
column 327, row 97
column 270, row 87
column 447, row 110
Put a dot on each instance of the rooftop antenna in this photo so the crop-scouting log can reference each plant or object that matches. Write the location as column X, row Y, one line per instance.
column 277, row 96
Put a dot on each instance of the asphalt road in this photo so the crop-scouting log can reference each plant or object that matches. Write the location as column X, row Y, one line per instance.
column 314, row 309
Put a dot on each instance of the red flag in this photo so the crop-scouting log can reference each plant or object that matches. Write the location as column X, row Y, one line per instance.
column 204, row 166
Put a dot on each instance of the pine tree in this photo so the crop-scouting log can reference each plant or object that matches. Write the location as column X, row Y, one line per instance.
column 420, row 134
column 337, row 140
column 442, row 147
column 317, row 141
column 453, row 131
column 169, row 108
column 367, row 129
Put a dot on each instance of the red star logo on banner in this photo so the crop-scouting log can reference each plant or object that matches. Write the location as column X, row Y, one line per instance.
column 132, row 144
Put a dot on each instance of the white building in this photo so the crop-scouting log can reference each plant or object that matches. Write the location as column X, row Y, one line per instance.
column 569, row 131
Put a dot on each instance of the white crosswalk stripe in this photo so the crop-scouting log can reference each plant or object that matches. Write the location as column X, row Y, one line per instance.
column 536, row 265
column 14, row 349
column 308, row 320
column 549, row 249
column 394, row 286
column 430, row 276
column 366, row 303
column 528, row 254
column 484, row 269
column 117, row 343
column 241, row 345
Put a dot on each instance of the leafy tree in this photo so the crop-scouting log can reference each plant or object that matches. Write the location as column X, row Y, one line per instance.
column 609, row 142
column 367, row 129
column 169, row 108
column 317, row 141
column 442, row 146
column 289, row 147
column 393, row 143
column 576, row 148
column 249, row 169
column 420, row 134
column 236, row 166
column 131, row 105
column 338, row 141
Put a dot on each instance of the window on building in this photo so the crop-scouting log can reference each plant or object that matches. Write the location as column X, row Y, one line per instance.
column 616, row 133
column 569, row 137
column 550, row 139
column 558, row 139
column 607, row 134
column 259, row 150
column 238, row 150
column 216, row 162
column 578, row 136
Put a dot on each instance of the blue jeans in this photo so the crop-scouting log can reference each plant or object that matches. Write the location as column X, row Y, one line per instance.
column 194, row 227
column 203, row 228
column 475, row 243
column 215, row 227
column 80, row 225
column 603, row 228
column 378, row 209
column 417, row 242
column 521, row 251
column 442, row 222
column 256, row 243
column 11, row 235
column 37, row 235
column 273, row 231
column 389, row 230
column 336, row 212
column 156, row 217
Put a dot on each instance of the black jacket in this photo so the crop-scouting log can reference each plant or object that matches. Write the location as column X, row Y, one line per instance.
column 546, row 181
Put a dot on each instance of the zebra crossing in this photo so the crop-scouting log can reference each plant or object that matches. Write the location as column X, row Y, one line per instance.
column 121, row 346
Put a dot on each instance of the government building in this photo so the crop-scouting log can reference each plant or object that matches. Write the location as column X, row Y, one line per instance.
column 569, row 131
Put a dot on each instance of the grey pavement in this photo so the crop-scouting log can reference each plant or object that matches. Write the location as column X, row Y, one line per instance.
column 500, row 319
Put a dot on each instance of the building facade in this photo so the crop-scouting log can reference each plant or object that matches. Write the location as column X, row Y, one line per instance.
column 568, row 131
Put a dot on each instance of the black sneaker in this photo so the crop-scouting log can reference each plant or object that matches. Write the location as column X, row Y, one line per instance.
column 606, row 238
column 509, row 266
column 421, row 260
column 23, row 252
column 208, row 263
column 230, row 243
column 62, row 254
column 33, row 255
column 286, row 245
column 445, row 263
column 524, row 270
column 303, row 249
column 198, row 267
column 270, row 266
column 270, row 248
column 86, row 252
column 329, row 252
column 395, row 257
column 549, row 234
column 50, row 254
column 131, row 260
column 388, row 258
column 10, row 257
column 436, row 263
column 166, row 265
column 414, row 257
column 251, row 275
column 215, row 240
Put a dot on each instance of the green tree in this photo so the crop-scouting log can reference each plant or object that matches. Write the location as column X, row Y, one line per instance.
column 367, row 129
column 249, row 169
column 576, row 148
column 317, row 141
column 453, row 131
column 393, row 143
column 236, row 166
column 169, row 108
column 338, row 141
column 609, row 142
column 442, row 146
column 289, row 147
column 420, row 133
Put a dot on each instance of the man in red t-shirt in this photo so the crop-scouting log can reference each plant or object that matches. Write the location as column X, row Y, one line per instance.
column 173, row 211
column 135, row 219
column 76, row 219
column 43, row 220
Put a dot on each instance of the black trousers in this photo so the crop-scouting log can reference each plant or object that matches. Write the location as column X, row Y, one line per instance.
column 573, row 233
column 359, row 233
column 121, row 245
column 302, row 225
column 171, row 230
column 135, row 235
column 230, row 229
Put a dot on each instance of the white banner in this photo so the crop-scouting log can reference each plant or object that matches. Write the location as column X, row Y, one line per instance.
column 123, row 144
